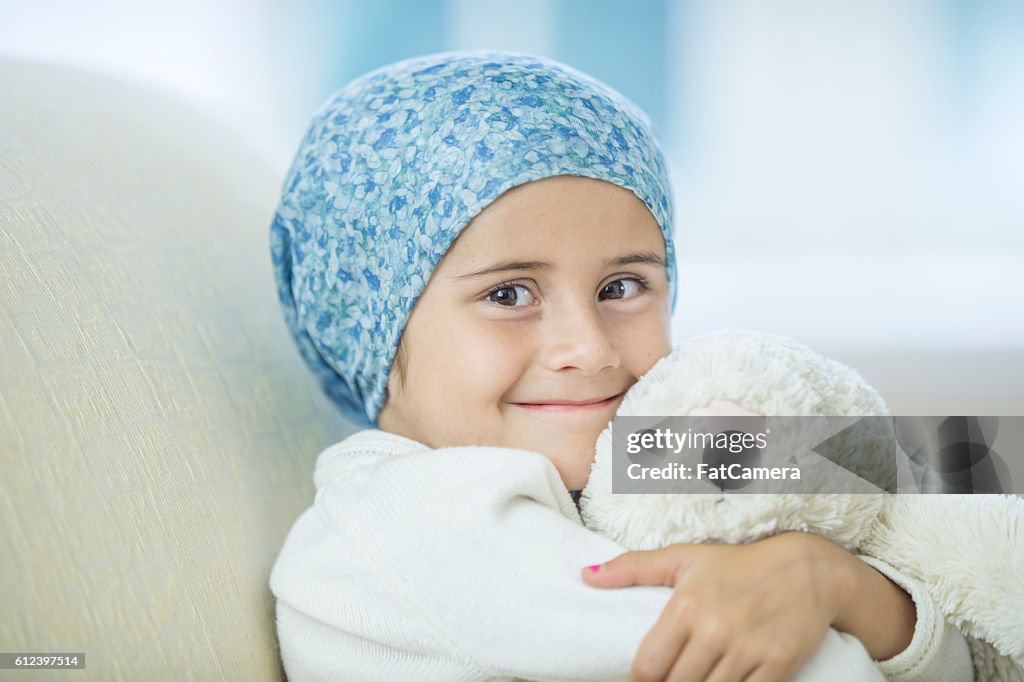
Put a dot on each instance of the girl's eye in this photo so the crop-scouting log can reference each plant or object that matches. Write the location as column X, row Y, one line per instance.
column 623, row 288
column 511, row 296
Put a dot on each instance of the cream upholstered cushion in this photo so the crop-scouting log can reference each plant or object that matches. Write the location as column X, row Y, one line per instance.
column 157, row 427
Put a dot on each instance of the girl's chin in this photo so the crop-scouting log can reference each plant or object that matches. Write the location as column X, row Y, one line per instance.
column 579, row 446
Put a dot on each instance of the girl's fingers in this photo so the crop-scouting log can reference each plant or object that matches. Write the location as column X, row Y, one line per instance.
column 762, row 674
column 767, row 672
column 694, row 663
column 662, row 646
column 732, row 668
column 642, row 567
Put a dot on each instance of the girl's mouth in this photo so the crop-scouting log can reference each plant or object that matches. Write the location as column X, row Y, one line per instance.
column 570, row 406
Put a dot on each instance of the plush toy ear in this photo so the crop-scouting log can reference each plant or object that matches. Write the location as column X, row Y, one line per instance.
column 765, row 373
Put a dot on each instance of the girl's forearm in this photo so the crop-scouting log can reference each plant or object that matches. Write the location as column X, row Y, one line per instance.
column 874, row 609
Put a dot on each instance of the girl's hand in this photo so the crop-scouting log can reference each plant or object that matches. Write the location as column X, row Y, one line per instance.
column 753, row 612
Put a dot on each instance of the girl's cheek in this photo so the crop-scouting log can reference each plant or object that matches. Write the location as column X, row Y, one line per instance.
column 496, row 360
column 647, row 344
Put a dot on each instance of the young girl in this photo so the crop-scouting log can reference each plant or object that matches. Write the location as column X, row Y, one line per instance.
column 474, row 254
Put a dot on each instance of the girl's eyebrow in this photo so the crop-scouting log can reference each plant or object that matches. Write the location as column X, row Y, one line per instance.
column 647, row 257
column 505, row 266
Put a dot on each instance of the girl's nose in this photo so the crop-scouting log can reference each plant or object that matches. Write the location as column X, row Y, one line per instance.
column 577, row 339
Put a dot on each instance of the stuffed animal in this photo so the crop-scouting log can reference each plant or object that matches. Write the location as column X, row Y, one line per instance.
column 968, row 550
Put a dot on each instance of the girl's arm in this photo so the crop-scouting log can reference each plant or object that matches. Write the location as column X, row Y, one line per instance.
column 454, row 563
column 937, row 650
column 753, row 609
column 473, row 555
column 875, row 609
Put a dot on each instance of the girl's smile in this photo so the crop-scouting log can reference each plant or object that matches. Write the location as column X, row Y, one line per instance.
column 570, row 406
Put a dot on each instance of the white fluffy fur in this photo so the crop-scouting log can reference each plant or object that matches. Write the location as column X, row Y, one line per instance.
column 968, row 550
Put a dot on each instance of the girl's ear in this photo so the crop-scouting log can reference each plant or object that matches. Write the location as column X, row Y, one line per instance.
column 397, row 380
column 401, row 361
column 397, row 375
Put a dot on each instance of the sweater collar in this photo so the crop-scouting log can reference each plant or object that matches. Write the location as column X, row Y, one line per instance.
column 358, row 449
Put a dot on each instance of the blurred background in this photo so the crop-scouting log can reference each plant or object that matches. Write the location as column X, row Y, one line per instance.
column 847, row 174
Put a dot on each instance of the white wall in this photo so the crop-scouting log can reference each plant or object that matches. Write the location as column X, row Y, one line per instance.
column 242, row 60
column 846, row 174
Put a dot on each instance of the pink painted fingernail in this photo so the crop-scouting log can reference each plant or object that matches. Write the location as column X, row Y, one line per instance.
column 595, row 568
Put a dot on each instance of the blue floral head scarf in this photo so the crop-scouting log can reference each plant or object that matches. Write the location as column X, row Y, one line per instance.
column 399, row 161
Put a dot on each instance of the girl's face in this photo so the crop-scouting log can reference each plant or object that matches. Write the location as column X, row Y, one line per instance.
column 555, row 293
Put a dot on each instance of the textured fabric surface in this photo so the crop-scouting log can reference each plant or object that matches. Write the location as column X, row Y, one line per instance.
column 157, row 429
column 400, row 160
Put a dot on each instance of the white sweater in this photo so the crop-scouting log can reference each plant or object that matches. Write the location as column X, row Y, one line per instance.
column 464, row 564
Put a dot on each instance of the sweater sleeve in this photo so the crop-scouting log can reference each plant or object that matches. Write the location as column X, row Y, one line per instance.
column 479, row 547
column 473, row 557
column 938, row 651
